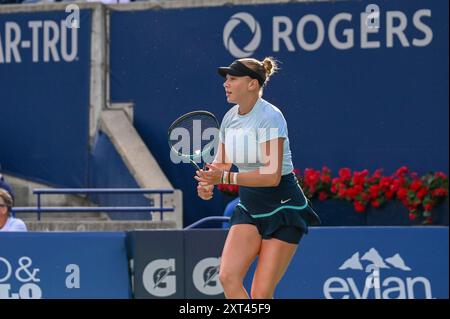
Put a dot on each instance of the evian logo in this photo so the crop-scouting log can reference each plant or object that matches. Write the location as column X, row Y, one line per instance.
column 255, row 29
column 384, row 279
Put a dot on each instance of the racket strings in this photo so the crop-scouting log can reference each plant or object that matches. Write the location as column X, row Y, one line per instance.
column 201, row 132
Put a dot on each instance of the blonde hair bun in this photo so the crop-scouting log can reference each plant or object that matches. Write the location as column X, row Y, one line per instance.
column 270, row 66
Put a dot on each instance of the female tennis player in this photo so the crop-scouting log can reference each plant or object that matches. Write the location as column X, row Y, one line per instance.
column 273, row 213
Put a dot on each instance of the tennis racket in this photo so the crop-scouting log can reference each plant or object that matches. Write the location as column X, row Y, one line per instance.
column 194, row 137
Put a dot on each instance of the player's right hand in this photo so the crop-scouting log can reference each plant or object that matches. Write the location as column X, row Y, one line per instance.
column 205, row 191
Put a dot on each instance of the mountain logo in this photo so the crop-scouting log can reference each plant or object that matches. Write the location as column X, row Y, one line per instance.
column 373, row 265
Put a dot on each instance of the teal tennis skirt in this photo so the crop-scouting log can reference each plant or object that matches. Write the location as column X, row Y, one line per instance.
column 281, row 212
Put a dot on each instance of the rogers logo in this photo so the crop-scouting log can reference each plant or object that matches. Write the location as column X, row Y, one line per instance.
column 255, row 29
column 375, row 285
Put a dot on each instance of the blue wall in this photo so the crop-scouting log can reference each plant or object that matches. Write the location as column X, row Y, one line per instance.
column 44, row 103
column 107, row 170
column 360, row 108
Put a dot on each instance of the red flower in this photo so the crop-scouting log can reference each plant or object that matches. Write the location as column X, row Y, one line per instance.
column 326, row 170
column 402, row 192
column 325, row 178
column 323, row 196
column 364, row 197
column 377, row 173
column 415, row 185
column 373, row 191
column 440, row 192
column 401, row 171
column 311, row 177
column 359, row 177
column 333, row 189
column 375, row 203
column 396, row 184
column 386, row 182
column 352, row 192
column 389, row 194
column 359, row 207
column 420, row 194
column 228, row 189
column 345, row 174
column 440, row 175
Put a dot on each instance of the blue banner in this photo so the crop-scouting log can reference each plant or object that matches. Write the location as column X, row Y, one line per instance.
column 158, row 264
column 368, row 263
column 202, row 265
column 63, row 265
column 357, row 89
column 330, row 263
column 44, row 94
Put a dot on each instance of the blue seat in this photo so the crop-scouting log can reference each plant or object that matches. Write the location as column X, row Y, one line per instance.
column 229, row 211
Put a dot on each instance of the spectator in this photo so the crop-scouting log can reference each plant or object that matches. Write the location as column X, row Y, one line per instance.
column 7, row 222
column 4, row 185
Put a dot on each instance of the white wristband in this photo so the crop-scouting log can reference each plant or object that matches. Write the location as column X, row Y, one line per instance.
column 225, row 177
column 234, row 179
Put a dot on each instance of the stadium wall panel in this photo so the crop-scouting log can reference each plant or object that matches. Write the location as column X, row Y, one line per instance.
column 352, row 96
column 44, row 97
column 63, row 265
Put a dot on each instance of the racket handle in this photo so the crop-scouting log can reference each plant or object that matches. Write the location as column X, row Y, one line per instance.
column 207, row 187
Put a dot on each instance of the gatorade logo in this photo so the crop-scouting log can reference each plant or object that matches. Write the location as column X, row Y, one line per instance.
column 206, row 276
column 255, row 30
column 159, row 277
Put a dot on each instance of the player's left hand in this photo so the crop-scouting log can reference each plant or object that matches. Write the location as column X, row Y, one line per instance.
column 212, row 176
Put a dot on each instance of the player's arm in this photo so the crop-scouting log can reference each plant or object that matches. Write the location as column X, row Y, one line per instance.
column 269, row 174
column 266, row 176
column 221, row 163
column 221, row 160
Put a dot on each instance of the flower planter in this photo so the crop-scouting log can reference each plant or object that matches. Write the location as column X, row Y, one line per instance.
column 360, row 187
column 333, row 212
column 440, row 214
column 394, row 213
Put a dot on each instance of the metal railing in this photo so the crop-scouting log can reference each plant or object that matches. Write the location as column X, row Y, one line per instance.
column 208, row 219
column 83, row 209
